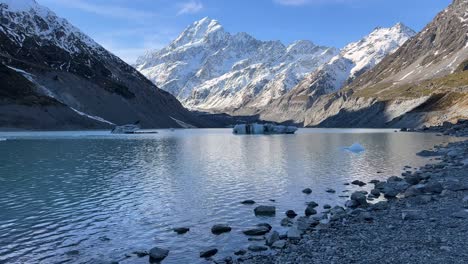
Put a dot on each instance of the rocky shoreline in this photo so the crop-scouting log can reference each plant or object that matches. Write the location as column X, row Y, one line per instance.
column 424, row 218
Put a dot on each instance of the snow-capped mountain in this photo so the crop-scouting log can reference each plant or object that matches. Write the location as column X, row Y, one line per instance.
column 55, row 60
column 352, row 61
column 208, row 68
column 356, row 58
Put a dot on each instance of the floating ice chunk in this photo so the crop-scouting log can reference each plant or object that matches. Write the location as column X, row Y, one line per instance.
column 3, row 139
column 355, row 148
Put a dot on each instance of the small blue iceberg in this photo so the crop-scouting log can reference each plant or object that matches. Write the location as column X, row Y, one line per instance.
column 355, row 148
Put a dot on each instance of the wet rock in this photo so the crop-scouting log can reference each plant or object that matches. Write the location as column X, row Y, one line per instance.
column 433, row 187
column 286, row 222
column 358, row 183
column 427, row 153
column 208, row 253
column 374, row 181
column 256, row 231
column 379, row 206
column 141, row 253
column 394, row 179
column 265, row 210
column 312, row 204
column 256, row 238
column 272, row 238
column 352, row 204
column 375, row 192
column 294, row 233
column 307, row 191
column 414, row 190
column 158, row 254
column 326, row 206
column 390, row 192
column 220, row 228
column 181, row 230
column 455, row 186
column 360, row 198
column 257, row 248
column 291, row 214
column 280, row 244
column 248, row 202
column 413, row 179
column 337, row 213
column 265, row 225
column 310, row 210
column 240, row 252
column 329, row 190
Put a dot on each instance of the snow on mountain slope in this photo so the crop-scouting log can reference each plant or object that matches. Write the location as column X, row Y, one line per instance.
column 208, row 68
column 356, row 58
column 353, row 60
column 80, row 73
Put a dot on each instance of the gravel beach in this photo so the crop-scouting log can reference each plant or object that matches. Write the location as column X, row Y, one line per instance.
column 423, row 220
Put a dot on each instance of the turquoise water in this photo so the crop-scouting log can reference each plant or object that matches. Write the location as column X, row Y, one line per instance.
column 93, row 197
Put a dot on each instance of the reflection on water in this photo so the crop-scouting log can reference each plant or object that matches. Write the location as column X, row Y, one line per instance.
column 88, row 197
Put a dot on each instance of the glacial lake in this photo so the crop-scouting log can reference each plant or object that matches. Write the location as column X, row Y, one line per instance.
column 93, row 197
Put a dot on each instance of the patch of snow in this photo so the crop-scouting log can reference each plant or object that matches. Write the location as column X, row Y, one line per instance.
column 408, row 74
column 182, row 123
column 97, row 118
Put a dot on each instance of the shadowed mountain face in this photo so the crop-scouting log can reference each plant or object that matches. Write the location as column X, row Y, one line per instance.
column 60, row 63
column 423, row 82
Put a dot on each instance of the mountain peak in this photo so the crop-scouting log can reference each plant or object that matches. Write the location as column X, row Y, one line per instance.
column 301, row 46
column 20, row 5
column 201, row 30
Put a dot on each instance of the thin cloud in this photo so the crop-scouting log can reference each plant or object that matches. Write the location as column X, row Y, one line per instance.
column 309, row 2
column 190, row 7
column 105, row 10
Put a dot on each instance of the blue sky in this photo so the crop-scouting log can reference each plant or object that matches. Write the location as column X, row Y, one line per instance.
column 128, row 28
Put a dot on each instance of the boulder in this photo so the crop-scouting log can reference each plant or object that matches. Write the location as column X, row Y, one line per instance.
column 326, row 206
column 240, row 252
column 280, row 244
column 181, row 230
column 359, row 183
column 265, row 210
column 248, row 202
column 256, row 231
column 257, row 248
column 272, row 238
column 208, row 253
column 433, row 187
column 413, row 179
column 307, row 191
column 360, row 198
column 337, row 213
column 286, row 222
column 312, row 204
column 158, row 254
column 330, row 190
column 294, row 233
column 379, row 206
column 375, row 192
column 310, row 211
column 220, row 228
column 291, row 214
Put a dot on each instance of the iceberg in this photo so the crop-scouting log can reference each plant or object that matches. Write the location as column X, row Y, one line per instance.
column 257, row 129
column 3, row 139
column 355, row 148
